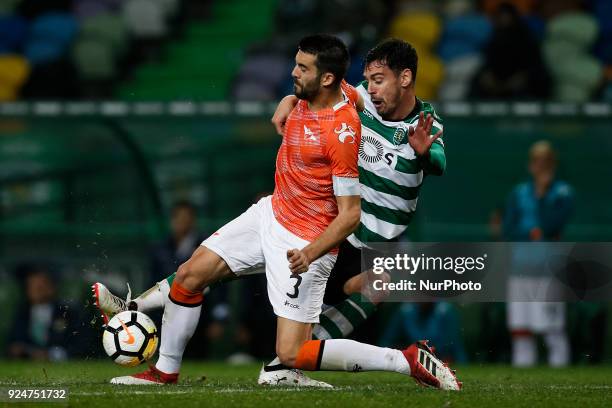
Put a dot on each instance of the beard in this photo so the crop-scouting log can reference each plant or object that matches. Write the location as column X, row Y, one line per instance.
column 306, row 91
column 387, row 108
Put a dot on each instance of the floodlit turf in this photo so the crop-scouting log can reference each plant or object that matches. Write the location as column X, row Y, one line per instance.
column 221, row 385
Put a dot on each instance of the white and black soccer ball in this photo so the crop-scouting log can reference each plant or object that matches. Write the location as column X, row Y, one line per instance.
column 130, row 338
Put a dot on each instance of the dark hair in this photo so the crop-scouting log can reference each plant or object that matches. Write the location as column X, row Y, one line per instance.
column 398, row 55
column 332, row 54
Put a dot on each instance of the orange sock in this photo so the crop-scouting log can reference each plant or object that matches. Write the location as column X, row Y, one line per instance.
column 309, row 356
column 185, row 297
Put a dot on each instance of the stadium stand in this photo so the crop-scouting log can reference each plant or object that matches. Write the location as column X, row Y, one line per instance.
column 161, row 49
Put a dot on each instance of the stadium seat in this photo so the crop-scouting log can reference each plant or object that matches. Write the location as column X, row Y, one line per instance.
column 13, row 30
column 569, row 38
column 464, row 35
column 430, row 75
column 90, row 8
column 144, row 18
column 169, row 7
column 14, row 71
column 94, row 60
column 39, row 51
column 579, row 29
column 263, row 73
column 537, row 26
column 602, row 9
column 418, row 28
column 457, row 8
column 58, row 28
column 8, row 6
column 49, row 37
column 458, row 75
column 106, row 27
column 577, row 78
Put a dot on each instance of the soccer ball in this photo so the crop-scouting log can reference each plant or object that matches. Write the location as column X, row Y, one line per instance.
column 130, row 338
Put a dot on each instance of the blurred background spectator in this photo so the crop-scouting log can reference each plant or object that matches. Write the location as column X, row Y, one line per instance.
column 43, row 327
column 177, row 247
column 537, row 210
column 513, row 67
column 168, row 255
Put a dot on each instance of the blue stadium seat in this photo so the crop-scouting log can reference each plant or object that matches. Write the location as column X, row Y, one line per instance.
column 464, row 35
column 41, row 51
column 13, row 30
column 59, row 28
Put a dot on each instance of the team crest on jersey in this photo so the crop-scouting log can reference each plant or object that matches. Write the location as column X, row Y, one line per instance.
column 345, row 133
column 398, row 136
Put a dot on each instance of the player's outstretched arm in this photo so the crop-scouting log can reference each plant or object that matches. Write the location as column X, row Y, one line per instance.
column 284, row 108
column 349, row 213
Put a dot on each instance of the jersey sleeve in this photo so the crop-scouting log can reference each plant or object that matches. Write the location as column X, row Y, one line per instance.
column 350, row 91
column 342, row 150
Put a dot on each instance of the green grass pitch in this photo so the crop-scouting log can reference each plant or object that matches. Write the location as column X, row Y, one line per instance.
column 222, row 385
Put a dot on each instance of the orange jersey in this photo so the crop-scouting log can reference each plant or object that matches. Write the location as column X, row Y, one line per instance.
column 317, row 146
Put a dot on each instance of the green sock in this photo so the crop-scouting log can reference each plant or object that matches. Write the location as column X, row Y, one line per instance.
column 339, row 321
column 170, row 279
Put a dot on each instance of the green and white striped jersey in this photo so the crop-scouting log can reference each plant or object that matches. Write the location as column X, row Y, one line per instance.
column 390, row 175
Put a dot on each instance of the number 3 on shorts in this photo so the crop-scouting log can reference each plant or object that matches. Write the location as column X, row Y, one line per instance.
column 296, row 287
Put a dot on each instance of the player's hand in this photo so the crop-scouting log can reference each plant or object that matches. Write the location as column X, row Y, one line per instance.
column 284, row 108
column 419, row 137
column 298, row 261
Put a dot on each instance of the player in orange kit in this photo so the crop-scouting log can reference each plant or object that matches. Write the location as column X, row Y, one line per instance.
column 294, row 235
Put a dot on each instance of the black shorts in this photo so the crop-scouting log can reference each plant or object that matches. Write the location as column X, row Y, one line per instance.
column 348, row 264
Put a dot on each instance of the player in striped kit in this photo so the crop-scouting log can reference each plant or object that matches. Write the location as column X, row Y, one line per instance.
column 398, row 154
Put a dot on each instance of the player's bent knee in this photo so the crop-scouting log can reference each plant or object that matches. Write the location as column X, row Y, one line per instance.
column 191, row 276
column 184, row 274
column 201, row 270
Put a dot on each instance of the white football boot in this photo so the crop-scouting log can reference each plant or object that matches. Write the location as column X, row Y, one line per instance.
column 289, row 377
column 107, row 303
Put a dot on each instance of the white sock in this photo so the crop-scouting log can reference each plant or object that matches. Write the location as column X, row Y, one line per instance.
column 178, row 325
column 524, row 352
column 558, row 349
column 350, row 355
column 274, row 362
column 154, row 298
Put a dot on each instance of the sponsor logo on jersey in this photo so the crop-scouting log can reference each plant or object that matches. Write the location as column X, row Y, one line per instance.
column 371, row 149
column 345, row 132
column 368, row 114
column 309, row 134
column 292, row 305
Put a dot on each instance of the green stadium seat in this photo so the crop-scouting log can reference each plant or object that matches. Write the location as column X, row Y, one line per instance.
column 8, row 6
column 579, row 29
column 95, row 60
column 108, row 28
